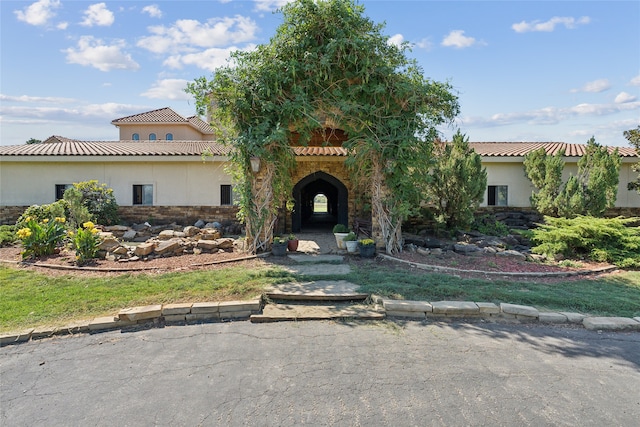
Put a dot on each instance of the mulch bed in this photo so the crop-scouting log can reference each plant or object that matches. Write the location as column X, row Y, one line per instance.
column 62, row 264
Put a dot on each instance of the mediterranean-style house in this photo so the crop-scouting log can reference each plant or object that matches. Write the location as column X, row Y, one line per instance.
column 165, row 167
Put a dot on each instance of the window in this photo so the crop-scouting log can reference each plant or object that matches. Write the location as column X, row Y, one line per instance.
column 135, row 137
column 497, row 195
column 143, row 194
column 226, row 196
column 152, row 137
column 60, row 189
column 169, row 137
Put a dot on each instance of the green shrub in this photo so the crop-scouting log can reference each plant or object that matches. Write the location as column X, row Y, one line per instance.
column 39, row 213
column 41, row 238
column 99, row 200
column 487, row 225
column 85, row 241
column 7, row 235
column 78, row 212
column 610, row 240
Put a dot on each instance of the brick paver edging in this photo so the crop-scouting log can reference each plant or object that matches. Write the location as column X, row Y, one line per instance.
column 500, row 273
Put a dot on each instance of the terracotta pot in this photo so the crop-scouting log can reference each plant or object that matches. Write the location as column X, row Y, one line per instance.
column 292, row 245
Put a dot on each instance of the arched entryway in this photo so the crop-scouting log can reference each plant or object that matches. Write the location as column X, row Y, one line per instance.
column 307, row 189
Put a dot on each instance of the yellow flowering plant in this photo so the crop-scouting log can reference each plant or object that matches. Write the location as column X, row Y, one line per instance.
column 41, row 238
column 85, row 241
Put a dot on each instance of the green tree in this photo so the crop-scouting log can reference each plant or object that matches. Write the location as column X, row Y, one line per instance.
column 545, row 172
column 633, row 136
column 458, row 182
column 33, row 141
column 591, row 192
column 328, row 65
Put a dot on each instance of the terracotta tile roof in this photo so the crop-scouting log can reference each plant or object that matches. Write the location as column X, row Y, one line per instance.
column 115, row 148
column 320, row 151
column 165, row 116
column 518, row 149
column 200, row 124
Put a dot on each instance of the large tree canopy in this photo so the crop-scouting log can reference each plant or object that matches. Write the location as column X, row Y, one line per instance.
column 328, row 65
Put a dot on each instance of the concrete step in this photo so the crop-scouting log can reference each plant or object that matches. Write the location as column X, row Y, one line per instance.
column 316, row 259
column 297, row 312
column 318, row 269
column 321, row 290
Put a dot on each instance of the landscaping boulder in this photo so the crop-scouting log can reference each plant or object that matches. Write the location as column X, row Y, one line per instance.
column 144, row 249
column 169, row 247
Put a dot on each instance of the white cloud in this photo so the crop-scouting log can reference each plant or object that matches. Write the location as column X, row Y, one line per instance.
column 168, row 89
column 424, row 44
column 97, row 14
column 550, row 25
column 635, row 81
column 595, row 86
column 27, row 98
column 269, row 5
column 153, row 11
column 458, row 40
column 38, row 13
column 209, row 59
column 62, row 25
column 186, row 35
column 94, row 53
column 396, row 40
column 624, row 97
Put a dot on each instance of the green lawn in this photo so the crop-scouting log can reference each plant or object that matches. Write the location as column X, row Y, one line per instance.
column 31, row 299
column 615, row 295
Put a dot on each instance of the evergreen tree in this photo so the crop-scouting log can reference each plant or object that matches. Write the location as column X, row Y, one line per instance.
column 458, row 182
column 545, row 172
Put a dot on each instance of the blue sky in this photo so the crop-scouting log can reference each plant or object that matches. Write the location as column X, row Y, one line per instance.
column 524, row 71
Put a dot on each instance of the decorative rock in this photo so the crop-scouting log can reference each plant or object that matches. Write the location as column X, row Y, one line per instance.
column 207, row 245
column 225, row 243
column 144, row 249
column 191, row 231
column 129, row 235
column 210, row 234
column 435, row 251
column 512, row 254
column 465, row 248
column 120, row 250
column 432, row 243
column 489, row 250
column 168, row 247
column 166, row 234
column 108, row 244
column 423, row 252
column 611, row 324
column 116, row 228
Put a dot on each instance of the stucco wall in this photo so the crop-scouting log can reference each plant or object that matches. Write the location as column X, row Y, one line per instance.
column 511, row 174
column 180, row 132
column 175, row 183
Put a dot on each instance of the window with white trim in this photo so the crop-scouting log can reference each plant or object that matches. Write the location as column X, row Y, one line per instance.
column 152, row 137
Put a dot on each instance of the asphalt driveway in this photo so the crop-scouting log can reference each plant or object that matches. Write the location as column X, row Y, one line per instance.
column 325, row 373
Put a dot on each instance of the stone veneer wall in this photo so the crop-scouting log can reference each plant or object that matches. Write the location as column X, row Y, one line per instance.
column 183, row 215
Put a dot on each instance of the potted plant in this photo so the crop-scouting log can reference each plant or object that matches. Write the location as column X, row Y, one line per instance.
column 367, row 248
column 351, row 242
column 279, row 246
column 340, row 231
column 292, row 243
